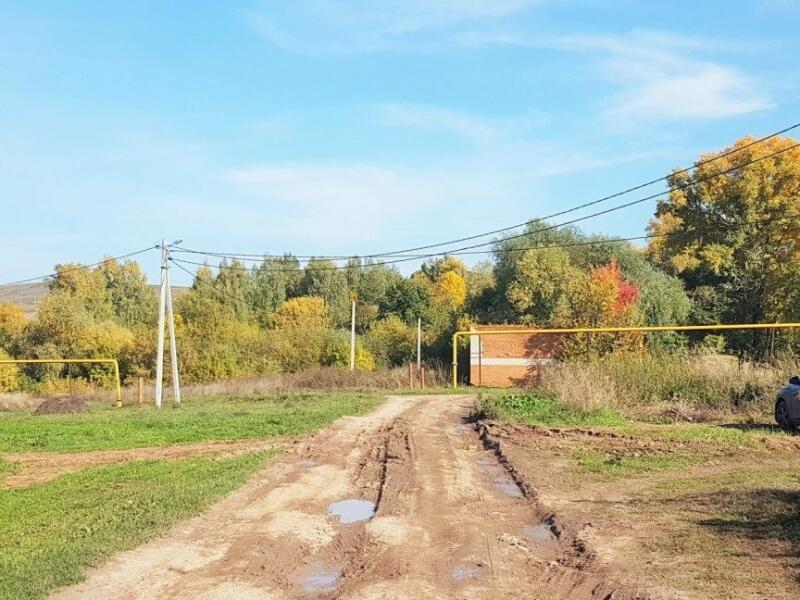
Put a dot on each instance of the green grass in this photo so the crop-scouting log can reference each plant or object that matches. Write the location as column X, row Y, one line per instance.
column 49, row 532
column 199, row 419
column 711, row 433
column 602, row 463
column 538, row 410
column 6, row 468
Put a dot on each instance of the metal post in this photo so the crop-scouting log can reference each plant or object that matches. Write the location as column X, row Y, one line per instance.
column 162, row 301
column 419, row 343
column 173, row 345
column 480, row 361
column 353, row 335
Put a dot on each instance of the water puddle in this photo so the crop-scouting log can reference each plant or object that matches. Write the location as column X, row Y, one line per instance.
column 319, row 579
column 508, row 487
column 464, row 573
column 352, row 511
column 538, row 533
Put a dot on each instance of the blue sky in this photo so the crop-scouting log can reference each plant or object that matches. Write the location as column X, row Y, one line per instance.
column 327, row 126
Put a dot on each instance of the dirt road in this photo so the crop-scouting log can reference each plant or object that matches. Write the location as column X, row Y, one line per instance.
column 450, row 522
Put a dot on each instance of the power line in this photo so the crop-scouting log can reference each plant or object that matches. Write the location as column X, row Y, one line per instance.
column 597, row 242
column 462, row 250
column 550, row 216
column 75, row 268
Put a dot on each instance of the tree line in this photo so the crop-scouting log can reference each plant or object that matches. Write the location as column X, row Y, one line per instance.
column 724, row 247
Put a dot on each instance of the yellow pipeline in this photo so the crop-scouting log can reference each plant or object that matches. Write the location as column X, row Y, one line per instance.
column 62, row 361
column 611, row 330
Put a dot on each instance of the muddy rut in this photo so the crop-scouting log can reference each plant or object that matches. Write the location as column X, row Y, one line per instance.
column 451, row 520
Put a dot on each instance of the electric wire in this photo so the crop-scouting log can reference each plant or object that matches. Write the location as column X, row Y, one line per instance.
column 594, row 242
column 461, row 250
column 686, row 170
column 40, row 279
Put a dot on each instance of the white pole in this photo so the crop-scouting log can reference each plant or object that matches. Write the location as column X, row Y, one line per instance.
column 161, row 308
column 353, row 336
column 173, row 346
column 419, row 343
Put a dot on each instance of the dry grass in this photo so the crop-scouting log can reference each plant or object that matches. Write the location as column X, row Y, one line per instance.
column 684, row 388
column 328, row 378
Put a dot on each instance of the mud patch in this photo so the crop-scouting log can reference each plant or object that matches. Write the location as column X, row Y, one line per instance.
column 311, row 530
column 319, row 579
column 541, row 532
column 352, row 510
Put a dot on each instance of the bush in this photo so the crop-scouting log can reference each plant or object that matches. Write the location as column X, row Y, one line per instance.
column 338, row 354
column 9, row 375
column 391, row 341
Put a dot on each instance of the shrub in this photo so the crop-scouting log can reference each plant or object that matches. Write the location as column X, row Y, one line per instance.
column 391, row 341
column 9, row 375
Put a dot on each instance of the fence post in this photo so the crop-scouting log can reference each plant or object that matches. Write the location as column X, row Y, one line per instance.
column 410, row 376
column 141, row 391
column 422, row 377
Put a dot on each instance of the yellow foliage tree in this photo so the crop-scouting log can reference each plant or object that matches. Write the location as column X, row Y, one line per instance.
column 9, row 374
column 305, row 311
column 450, row 290
column 12, row 322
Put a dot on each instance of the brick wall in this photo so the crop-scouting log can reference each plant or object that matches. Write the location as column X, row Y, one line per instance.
column 510, row 359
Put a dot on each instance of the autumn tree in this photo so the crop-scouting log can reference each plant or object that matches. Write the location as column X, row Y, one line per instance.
column 12, row 323
column 541, row 283
column 734, row 232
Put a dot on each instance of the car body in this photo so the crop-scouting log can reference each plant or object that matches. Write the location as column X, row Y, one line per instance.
column 787, row 405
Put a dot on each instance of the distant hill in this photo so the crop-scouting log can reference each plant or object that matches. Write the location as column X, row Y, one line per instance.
column 28, row 295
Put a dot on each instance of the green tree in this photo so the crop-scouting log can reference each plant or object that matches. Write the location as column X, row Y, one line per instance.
column 323, row 280
column 542, row 280
column 133, row 301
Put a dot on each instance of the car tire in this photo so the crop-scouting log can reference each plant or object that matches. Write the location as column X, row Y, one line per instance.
column 783, row 417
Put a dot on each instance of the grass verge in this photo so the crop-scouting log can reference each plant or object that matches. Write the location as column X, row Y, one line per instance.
column 539, row 410
column 198, row 420
column 48, row 533
column 610, row 465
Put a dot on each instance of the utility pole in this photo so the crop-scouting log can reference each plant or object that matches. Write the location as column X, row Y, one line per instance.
column 419, row 343
column 162, row 301
column 164, row 312
column 353, row 334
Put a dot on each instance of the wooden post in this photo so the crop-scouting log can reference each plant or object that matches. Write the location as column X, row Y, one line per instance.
column 141, row 391
column 422, row 377
column 410, row 376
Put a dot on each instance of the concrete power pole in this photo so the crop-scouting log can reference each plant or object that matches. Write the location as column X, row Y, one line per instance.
column 164, row 312
column 353, row 335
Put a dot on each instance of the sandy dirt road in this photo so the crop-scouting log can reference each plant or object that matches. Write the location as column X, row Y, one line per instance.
column 450, row 522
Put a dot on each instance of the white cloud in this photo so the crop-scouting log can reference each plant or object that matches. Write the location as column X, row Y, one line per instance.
column 337, row 202
column 660, row 74
column 366, row 25
column 471, row 127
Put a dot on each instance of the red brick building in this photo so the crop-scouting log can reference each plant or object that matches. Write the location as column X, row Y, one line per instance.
column 510, row 359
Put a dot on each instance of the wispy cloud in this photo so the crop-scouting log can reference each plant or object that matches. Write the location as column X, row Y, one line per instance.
column 660, row 78
column 469, row 126
column 660, row 75
column 365, row 25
